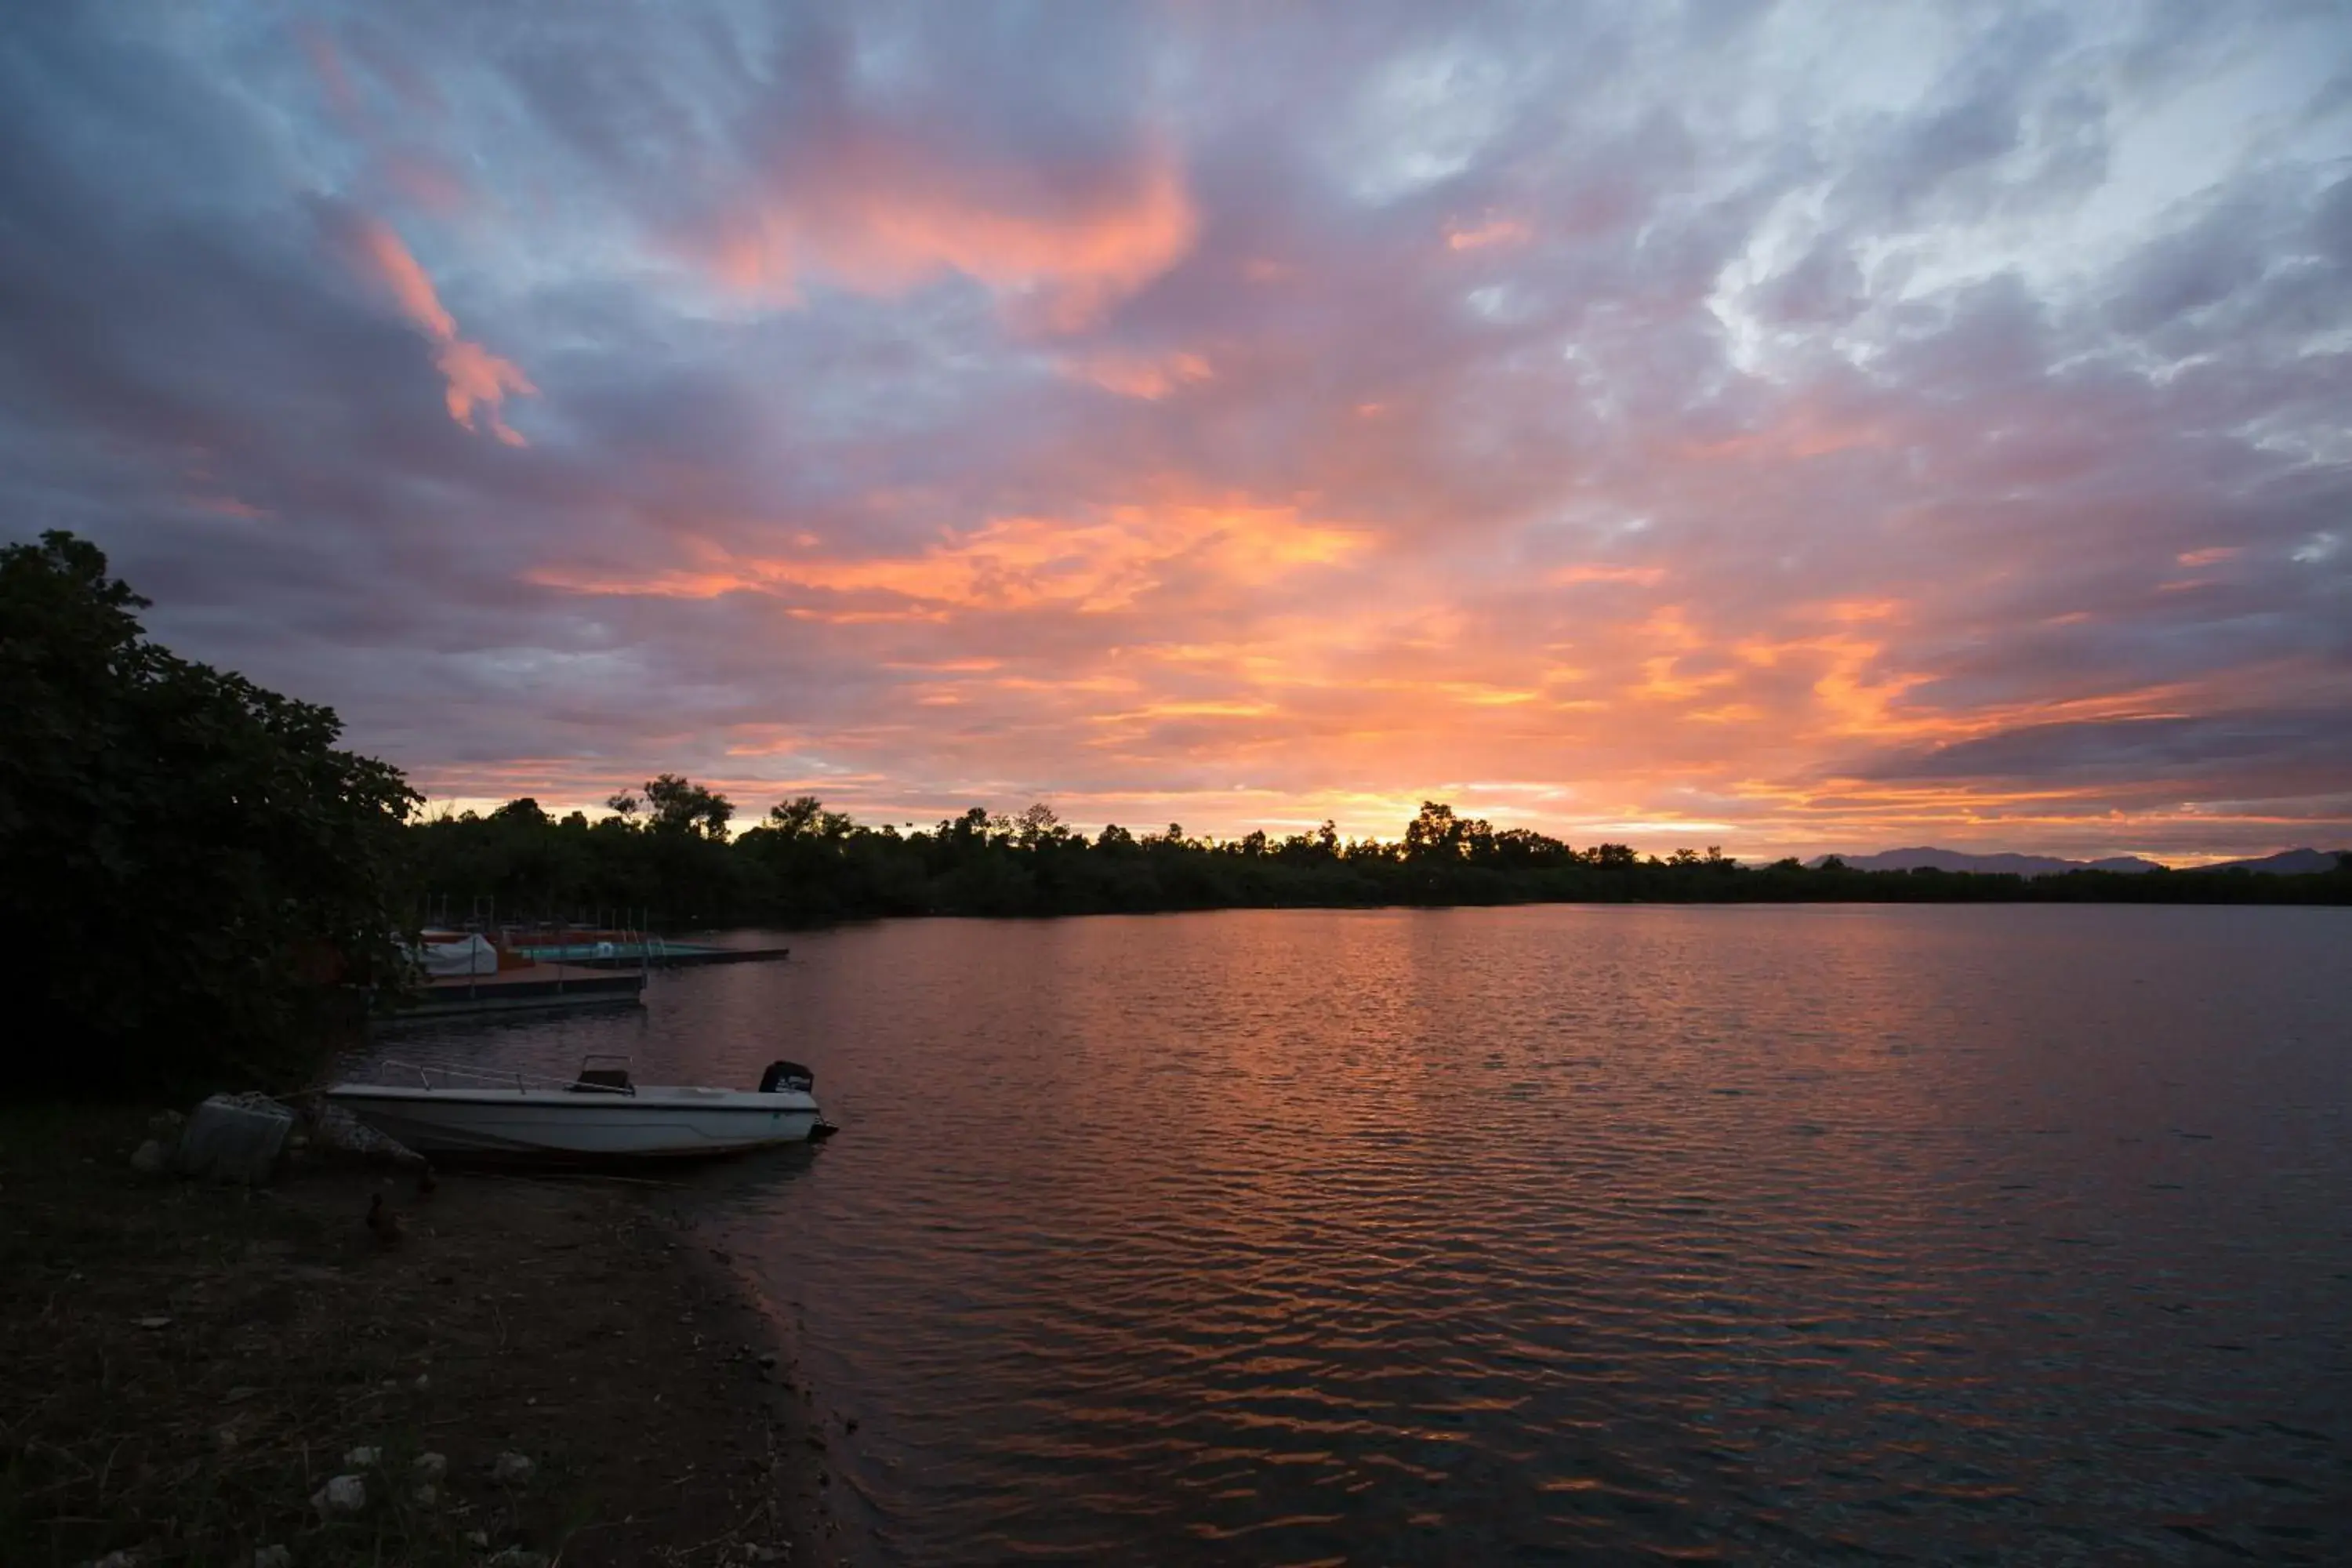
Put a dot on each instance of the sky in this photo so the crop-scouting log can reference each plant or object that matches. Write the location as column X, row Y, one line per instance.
column 1795, row 427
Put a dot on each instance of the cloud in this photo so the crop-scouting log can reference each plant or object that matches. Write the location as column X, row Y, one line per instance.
column 1105, row 561
column 1493, row 231
column 1818, row 431
column 876, row 218
column 2275, row 751
column 883, row 182
column 1130, row 376
column 477, row 379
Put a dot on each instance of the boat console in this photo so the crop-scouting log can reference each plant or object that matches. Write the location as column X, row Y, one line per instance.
column 789, row 1078
column 597, row 1076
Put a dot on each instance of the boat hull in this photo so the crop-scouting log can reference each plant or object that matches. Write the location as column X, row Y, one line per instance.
column 652, row 1122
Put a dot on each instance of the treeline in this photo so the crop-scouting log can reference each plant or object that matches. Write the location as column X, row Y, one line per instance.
column 197, row 882
column 668, row 851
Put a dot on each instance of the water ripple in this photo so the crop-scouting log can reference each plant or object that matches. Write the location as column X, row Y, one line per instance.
column 1559, row 1235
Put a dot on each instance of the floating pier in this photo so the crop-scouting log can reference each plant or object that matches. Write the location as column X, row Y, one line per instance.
column 535, row 985
column 555, row 964
column 656, row 954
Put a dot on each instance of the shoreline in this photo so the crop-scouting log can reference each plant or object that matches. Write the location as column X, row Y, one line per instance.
column 197, row 1363
column 2337, row 897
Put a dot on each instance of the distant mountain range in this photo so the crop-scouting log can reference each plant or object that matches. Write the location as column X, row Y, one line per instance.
column 2286, row 862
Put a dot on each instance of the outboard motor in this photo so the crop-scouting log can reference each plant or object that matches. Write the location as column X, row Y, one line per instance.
column 787, row 1078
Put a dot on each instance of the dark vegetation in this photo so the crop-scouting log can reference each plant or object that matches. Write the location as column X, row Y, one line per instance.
column 668, row 852
column 187, row 860
column 191, row 871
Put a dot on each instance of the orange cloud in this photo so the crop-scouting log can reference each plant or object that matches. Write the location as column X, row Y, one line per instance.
column 764, row 741
column 1145, row 378
column 477, row 379
column 1105, row 561
column 1494, row 231
column 1588, row 572
column 882, row 217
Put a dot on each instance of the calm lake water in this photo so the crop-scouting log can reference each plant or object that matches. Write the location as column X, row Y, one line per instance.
column 1554, row 1234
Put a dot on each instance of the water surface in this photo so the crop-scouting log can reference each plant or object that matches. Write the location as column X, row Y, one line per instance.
column 1554, row 1234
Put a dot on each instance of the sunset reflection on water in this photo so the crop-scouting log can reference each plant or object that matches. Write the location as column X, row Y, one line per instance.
column 1461, row 1236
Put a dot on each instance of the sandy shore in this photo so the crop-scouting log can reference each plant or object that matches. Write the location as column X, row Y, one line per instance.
column 190, row 1366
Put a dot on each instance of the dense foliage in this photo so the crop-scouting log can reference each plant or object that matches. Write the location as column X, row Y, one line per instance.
column 668, row 855
column 185, row 858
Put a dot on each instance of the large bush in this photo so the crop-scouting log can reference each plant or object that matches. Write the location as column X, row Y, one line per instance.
column 190, row 870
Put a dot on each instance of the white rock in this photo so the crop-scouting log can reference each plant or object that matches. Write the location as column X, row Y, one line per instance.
column 149, row 1159
column 426, row 1496
column 429, row 1467
column 516, row 1557
column 234, row 1137
column 512, row 1469
column 344, row 1494
column 477, row 1538
column 363, row 1458
column 123, row 1559
column 272, row 1557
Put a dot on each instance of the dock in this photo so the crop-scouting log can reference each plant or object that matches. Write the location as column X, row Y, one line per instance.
column 536, row 985
column 656, row 954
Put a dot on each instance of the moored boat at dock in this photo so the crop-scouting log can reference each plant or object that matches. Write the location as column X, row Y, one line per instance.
column 599, row 1114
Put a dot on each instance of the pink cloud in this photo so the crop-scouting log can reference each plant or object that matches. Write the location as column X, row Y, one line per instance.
column 881, row 215
column 480, row 379
column 427, row 183
column 327, row 65
column 1133, row 376
column 477, row 379
column 1494, row 231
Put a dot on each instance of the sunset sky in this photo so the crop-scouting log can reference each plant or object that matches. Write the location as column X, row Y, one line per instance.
column 1792, row 427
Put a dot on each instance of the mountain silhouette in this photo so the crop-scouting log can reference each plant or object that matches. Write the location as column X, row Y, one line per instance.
column 2015, row 865
column 2286, row 862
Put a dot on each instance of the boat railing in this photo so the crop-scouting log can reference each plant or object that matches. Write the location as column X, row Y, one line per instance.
column 522, row 1082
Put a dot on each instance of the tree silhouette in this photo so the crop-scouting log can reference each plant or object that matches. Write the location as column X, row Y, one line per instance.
column 185, row 858
column 680, row 806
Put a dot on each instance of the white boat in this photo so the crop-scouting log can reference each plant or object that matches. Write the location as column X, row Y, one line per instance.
column 599, row 1114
